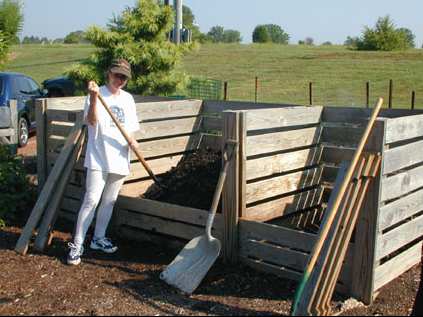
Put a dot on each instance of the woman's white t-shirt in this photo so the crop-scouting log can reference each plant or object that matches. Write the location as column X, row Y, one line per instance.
column 107, row 149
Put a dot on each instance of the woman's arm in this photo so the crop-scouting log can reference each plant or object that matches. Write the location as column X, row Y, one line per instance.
column 93, row 90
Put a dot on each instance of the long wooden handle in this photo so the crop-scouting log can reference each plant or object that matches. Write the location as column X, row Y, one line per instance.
column 325, row 229
column 126, row 136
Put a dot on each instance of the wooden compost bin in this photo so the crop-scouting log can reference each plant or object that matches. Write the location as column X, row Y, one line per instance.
column 285, row 168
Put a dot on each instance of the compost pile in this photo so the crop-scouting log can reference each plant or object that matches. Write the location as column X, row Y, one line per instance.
column 192, row 182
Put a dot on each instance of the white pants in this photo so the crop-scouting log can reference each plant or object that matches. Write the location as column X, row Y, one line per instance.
column 99, row 185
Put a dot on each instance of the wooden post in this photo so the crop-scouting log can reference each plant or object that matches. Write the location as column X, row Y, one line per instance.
column 41, row 121
column 363, row 262
column 367, row 94
column 256, row 90
column 242, row 146
column 225, row 91
column 310, row 93
column 391, row 87
column 230, row 206
column 413, row 99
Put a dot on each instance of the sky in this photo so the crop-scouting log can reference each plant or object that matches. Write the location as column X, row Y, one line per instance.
column 323, row 20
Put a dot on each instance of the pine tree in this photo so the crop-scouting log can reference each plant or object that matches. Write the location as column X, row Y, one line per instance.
column 140, row 35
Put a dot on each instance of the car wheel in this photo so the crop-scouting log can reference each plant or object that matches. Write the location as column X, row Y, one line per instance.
column 23, row 132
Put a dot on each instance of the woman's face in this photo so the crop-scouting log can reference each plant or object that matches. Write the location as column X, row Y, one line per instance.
column 117, row 81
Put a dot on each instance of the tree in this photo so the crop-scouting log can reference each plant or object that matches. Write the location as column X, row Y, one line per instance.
column 261, row 34
column 4, row 49
column 11, row 20
column 327, row 43
column 139, row 35
column 216, row 34
column 384, row 37
column 410, row 37
column 277, row 34
column 74, row 37
column 231, row 36
column 189, row 23
column 309, row 41
column 352, row 42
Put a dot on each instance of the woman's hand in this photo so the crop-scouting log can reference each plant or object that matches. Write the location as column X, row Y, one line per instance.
column 93, row 89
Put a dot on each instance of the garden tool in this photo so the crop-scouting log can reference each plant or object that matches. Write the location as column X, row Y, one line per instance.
column 190, row 266
column 133, row 148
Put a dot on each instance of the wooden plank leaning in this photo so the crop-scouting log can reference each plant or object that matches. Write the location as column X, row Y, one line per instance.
column 305, row 292
column 51, row 213
column 48, row 190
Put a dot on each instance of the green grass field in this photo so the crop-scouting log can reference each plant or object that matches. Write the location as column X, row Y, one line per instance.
column 339, row 75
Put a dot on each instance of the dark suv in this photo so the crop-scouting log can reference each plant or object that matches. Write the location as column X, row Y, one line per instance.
column 24, row 89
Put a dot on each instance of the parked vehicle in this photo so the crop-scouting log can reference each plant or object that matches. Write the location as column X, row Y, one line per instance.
column 59, row 87
column 24, row 89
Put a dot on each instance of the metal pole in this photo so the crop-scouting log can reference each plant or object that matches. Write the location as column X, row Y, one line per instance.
column 310, row 92
column 225, row 91
column 390, row 93
column 177, row 4
column 367, row 94
column 413, row 99
column 256, row 89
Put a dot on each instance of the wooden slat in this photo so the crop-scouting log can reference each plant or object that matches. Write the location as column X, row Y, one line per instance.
column 280, row 141
column 399, row 237
column 398, row 265
column 169, row 211
column 75, row 192
column 404, row 128
column 342, row 136
column 283, row 117
column 274, row 254
column 41, row 135
column 400, row 210
column 168, row 109
column 7, row 132
column 402, row 183
column 270, row 268
column 62, row 115
column 162, row 225
column 168, row 146
column 59, row 128
column 282, row 184
column 213, row 107
column 65, row 103
column 168, row 128
column 251, row 230
column 55, row 143
column 361, row 114
column 281, row 163
column 403, row 156
column 284, row 206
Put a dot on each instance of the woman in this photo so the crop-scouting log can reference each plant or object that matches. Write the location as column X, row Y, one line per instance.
column 107, row 157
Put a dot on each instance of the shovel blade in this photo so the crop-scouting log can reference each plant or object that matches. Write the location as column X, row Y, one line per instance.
column 190, row 266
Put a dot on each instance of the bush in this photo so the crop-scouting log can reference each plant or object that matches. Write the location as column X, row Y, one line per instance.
column 261, row 35
column 270, row 33
column 16, row 193
column 385, row 37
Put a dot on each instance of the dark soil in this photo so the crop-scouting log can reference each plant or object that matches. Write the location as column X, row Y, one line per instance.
column 192, row 182
column 128, row 283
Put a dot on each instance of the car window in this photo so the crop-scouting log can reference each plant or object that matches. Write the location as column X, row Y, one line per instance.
column 1, row 85
column 15, row 87
column 33, row 86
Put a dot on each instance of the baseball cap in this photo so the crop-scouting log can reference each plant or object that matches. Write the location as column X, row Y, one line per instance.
column 120, row 66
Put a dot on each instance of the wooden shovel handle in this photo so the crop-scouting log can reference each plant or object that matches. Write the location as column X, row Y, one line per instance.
column 126, row 136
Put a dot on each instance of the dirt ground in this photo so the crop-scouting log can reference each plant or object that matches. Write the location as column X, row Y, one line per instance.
column 127, row 283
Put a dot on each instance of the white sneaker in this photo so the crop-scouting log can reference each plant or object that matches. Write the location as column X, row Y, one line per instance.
column 103, row 244
column 75, row 252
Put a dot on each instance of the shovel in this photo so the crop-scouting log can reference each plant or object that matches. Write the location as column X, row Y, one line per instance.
column 190, row 266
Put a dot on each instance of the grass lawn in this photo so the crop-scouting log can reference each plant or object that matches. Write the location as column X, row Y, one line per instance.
column 339, row 75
